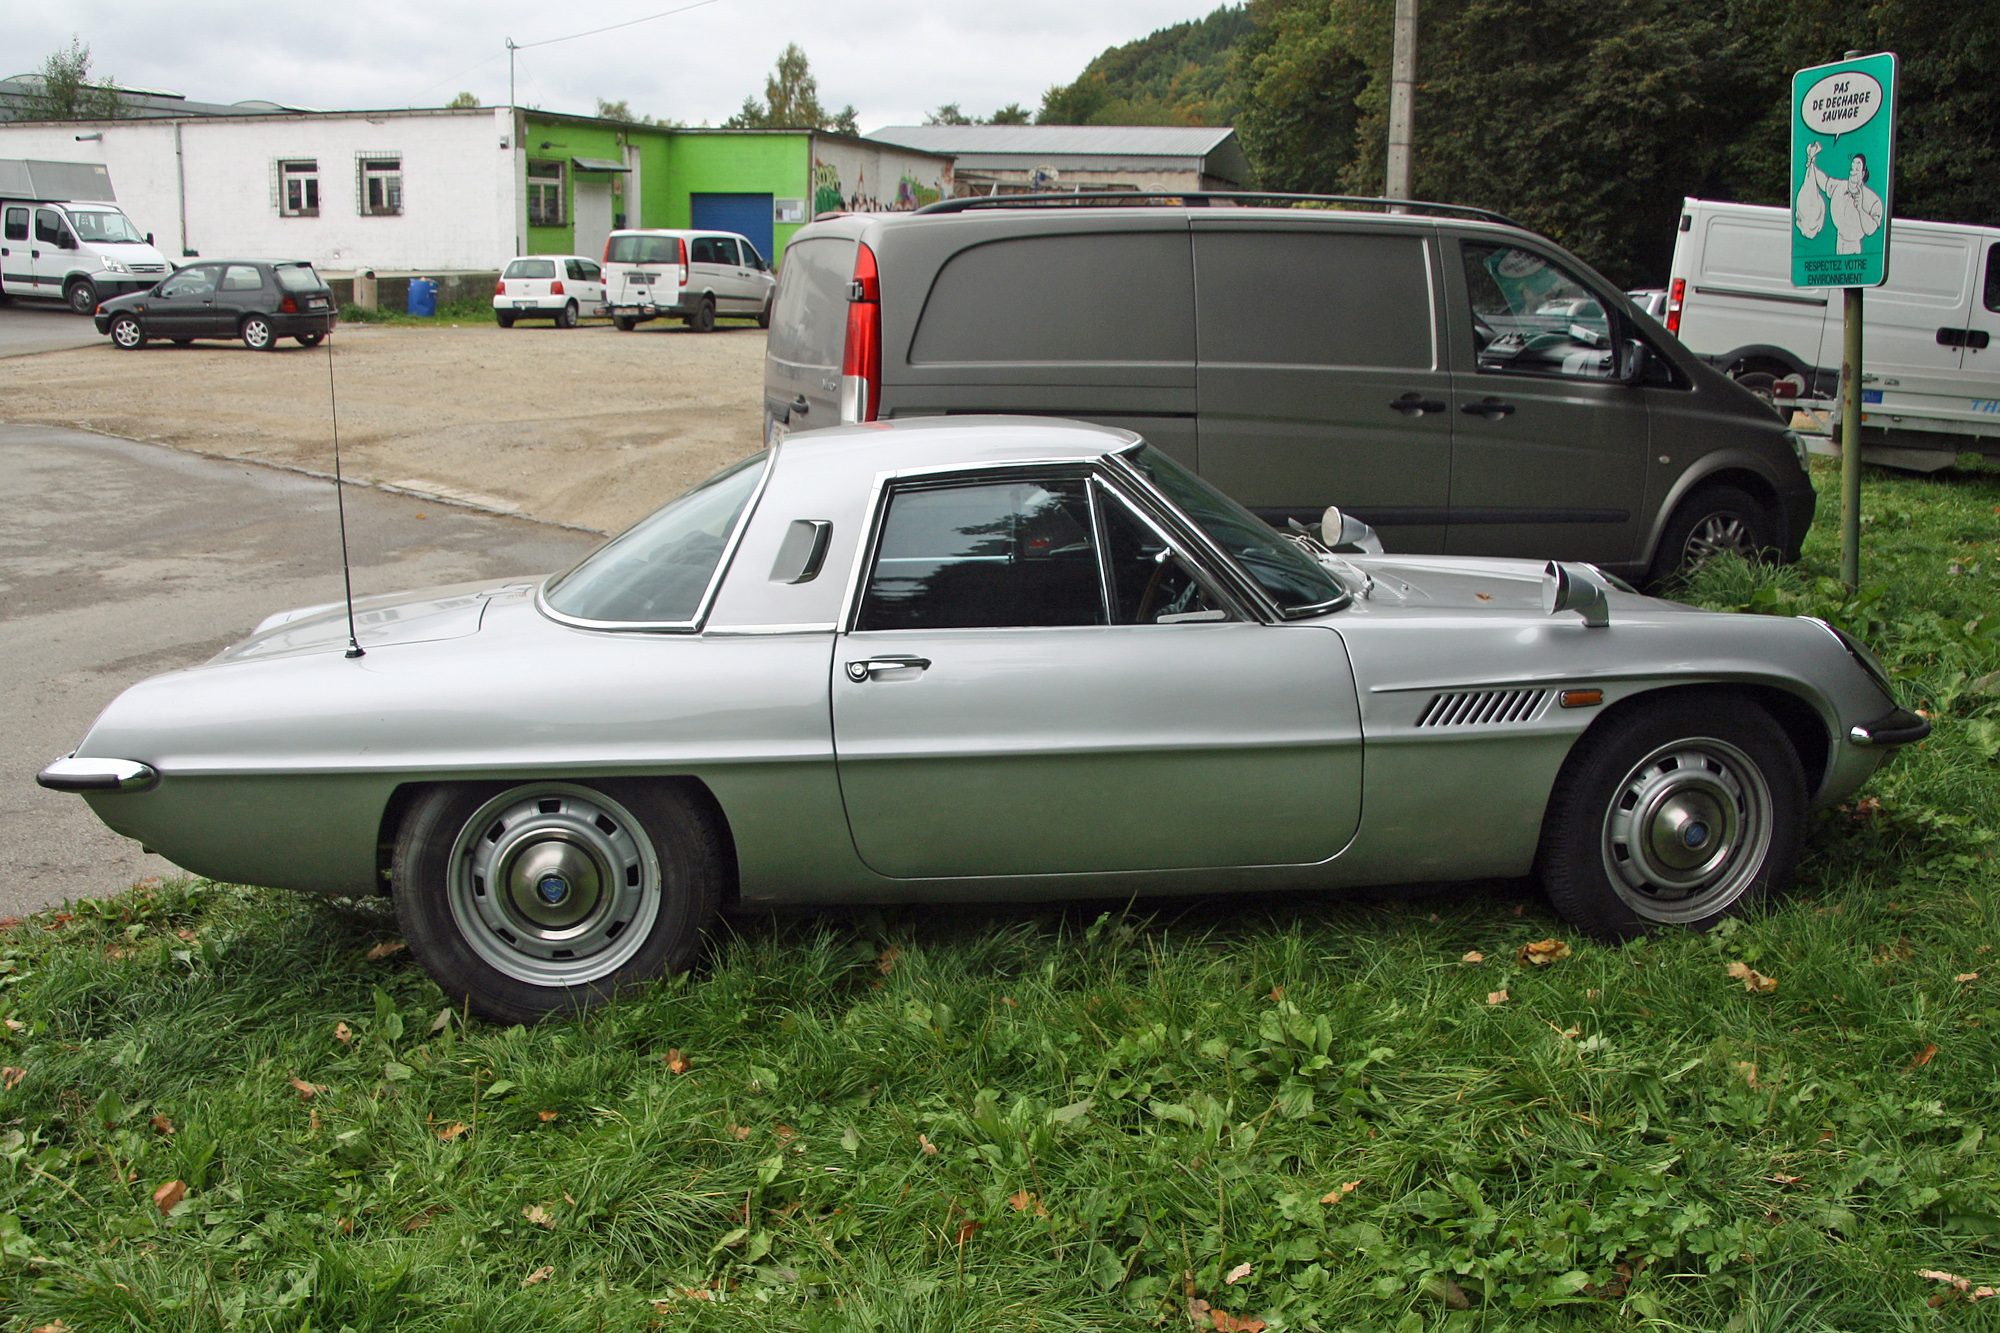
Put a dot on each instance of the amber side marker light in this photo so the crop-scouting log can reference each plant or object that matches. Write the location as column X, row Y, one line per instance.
column 1582, row 698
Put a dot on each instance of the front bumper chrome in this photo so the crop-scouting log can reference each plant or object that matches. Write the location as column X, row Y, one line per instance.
column 72, row 774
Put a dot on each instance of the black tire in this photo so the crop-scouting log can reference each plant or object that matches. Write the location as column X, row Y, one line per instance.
column 1672, row 770
column 650, row 856
column 1713, row 521
column 258, row 335
column 309, row 339
column 703, row 318
column 183, row 342
column 81, row 295
column 504, row 318
column 764, row 316
column 624, row 323
column 566, row 317
column 127, row 333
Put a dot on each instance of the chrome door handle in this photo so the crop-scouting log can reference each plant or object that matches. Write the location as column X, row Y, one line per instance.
column 860, row 671
column 1414, row 404
column 1490, row 408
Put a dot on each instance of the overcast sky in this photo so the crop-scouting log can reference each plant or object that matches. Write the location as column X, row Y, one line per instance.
column 891, row 59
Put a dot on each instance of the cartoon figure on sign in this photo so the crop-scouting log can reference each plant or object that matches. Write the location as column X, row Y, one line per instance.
column 1855, row 209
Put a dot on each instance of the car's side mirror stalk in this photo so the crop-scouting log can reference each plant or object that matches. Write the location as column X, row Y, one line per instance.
column 1633, row 356
column 1578, row 588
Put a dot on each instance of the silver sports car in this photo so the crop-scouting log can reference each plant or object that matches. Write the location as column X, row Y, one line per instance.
column 979, row 659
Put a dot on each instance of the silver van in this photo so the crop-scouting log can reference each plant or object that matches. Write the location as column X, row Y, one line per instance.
column 1462, row 384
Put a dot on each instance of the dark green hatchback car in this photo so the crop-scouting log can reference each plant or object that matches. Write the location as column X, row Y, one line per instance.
column 257, row 300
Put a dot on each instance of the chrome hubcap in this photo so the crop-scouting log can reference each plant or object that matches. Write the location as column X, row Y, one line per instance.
column 1720, row 534
column 1687, row 831
column 554, row 884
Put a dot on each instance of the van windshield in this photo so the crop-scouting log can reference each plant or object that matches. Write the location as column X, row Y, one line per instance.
column 106, row 226
column 643, row 250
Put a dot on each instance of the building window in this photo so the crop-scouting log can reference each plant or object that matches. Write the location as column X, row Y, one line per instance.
column 381, row 184
column 298, row 188
column 545, row 194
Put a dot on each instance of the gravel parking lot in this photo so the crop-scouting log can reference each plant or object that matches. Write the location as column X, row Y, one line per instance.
column 587, row 426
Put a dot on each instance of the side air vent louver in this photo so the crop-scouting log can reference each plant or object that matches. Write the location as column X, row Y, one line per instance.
column 1482, row 708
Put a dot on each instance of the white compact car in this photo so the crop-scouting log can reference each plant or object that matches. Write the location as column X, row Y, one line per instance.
column 563, row 288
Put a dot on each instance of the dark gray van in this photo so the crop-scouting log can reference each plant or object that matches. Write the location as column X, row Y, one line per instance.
column 1462, row 384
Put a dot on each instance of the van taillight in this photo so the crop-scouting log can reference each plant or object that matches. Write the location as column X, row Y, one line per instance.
column 555, row 288
column 607, row 249
column 1674, row 306
column 288, row 306
column 861, row 364
column 500, row 287
column 681, row 247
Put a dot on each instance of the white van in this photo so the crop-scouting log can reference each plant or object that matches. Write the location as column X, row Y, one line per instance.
column 78, row 251
column 694, row 276
column 1930, row 372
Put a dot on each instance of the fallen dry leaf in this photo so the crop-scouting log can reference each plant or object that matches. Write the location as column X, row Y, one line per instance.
column 737, row 1132
column 1752, row 979
column 1541, row 953
column 343, row 1033
column 1961, row 1285
column 1023, row 1201
column 162, row 1125
column 930, row 1149
column 451, row 1131
column 1966, row 976
column 1444, row 1289
column 1277, row 994
column 1496, row 997
column 1923, row 1057
column 1748, row 1068
column 1593, row 995
column 967, row 1229
column 385, row 948
column 1473, row 956
column 1783, row 1179
column 57, row 1327
column 676, row 1062
column 546, row 1116
column 1010, row 1002
column 539, row 1215
column 10, row 1075
column 9, row 922
column 1339, row 1192
column 169, row 1194
column 1570, row 1033
column 421, row 1220
column 1225, row 1322
column 1237, row 1274
column 306, row 1090
column 543, row 1273
column 1484, row 596
column 346, row 1225
column 887, row 962
column 14, row 1024
column 785, row 1134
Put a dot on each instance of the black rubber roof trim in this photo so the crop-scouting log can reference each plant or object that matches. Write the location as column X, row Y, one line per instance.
column 1202, row 198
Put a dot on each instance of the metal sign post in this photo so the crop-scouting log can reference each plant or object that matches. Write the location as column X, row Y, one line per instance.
column 1843, row 169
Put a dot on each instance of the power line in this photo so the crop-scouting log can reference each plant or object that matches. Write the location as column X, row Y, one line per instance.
column 551, row 41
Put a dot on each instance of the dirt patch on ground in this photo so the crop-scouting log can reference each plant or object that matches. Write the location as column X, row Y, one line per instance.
column 585, row 426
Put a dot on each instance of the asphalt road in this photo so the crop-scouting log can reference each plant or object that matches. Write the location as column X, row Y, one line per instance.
column 119, row 560
column 43, row 326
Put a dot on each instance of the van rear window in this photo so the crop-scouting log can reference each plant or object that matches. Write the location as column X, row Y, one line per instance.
column 643, row 250
column 809, row 313
column 1096, row 296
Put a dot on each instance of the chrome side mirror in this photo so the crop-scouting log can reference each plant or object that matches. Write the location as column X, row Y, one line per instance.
column 1347, row 534
column 1578, row 588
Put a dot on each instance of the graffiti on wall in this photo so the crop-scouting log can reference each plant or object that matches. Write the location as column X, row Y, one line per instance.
column 851, row 180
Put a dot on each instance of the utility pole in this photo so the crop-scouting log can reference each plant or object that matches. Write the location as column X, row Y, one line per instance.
column 511, row 49
column 1402, row 99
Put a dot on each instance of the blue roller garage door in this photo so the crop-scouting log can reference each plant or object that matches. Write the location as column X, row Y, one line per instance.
column 745, row 214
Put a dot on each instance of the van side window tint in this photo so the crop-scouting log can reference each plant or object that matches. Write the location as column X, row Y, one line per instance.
column 1113, row 296
column 48, row 227
column 809, row 317
column 17, row 224
column 1314, row 299
column 1993, row 277
column 1529, row 317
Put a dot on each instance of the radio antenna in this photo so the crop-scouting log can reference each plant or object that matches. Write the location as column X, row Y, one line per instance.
column 340, row 501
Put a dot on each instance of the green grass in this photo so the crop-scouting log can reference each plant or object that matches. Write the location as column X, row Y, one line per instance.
column 1057, row 1119
column 477, row 310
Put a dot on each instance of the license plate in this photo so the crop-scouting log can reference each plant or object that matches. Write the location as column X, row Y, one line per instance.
column 315, row 304
column 775, row 435
column 524, row 305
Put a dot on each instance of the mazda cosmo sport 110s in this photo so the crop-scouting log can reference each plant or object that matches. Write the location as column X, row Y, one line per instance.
column 980, row 659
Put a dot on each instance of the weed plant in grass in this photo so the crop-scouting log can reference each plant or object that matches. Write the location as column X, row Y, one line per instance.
column 228, row 1108
column 468, row 313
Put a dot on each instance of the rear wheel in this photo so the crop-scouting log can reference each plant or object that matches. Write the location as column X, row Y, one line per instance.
column 703, row 318
column 258, row 335
column 504, row 318
column 566, row 317
column 1715, row 520
column 550, row 897
column 81, row 294
column 624, row 323
column 128, row 333
column 309, row 339
column 1673, row 814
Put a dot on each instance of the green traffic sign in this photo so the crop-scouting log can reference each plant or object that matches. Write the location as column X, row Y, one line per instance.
column 1843, row 151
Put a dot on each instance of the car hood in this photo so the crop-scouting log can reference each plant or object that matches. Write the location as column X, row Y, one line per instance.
column 391, row 618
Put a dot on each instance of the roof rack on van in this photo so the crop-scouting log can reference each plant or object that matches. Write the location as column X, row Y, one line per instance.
column 1202, row 198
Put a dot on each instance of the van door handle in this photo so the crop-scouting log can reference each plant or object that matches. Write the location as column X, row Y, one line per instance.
column 860, row 671
column 799, row 404
column 1977, row 340
column 1951, row 337
column 1414, row 404
column 1490, row 408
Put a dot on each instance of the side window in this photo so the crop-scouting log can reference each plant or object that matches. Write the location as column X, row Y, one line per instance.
column 298, row 188
column 751, row 259
column 996, row 555
column 1529, row 317
column 1325, row 298
column 48, row 226
column 705, row 250
column 197, row 281
column 242, row 278
column 591, row 272
column 727, row 249
column 574, row 268
column 1148, row 583
column 381, row 185
column 17, row 224
column 1992, row 275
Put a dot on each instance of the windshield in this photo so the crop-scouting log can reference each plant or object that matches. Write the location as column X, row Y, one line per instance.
column 643, row 250
column 104, row 225
column 1294, row 580
column 658, row 571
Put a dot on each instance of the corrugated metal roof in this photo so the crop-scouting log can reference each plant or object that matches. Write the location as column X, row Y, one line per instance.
column 1069, row 140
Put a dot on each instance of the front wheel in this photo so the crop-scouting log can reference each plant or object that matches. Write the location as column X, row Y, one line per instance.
column 128, row 333
column 1715, row 520
column 764, row 316
column 82, row 296
column 1673, row 814
column 258, row 335
column 566, row 317
column 550, row 897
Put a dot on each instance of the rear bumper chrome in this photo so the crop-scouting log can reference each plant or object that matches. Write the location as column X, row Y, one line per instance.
column 73, row 774
column 1901, row 727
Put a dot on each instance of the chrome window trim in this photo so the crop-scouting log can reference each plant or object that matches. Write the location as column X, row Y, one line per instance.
column 1219, row 588
column 707, row 602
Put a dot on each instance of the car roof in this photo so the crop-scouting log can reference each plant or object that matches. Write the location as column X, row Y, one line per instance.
column 963, row 441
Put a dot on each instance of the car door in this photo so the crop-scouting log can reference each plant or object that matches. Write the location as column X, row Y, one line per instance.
column 591, row 279
column 1548, row 448
column 710, row 270
column 1319, row 374
column 241, row 290
column 184, row 305
column 756, row 274
column 17, row 261
column 1037, row 681
column 50, row 252
column 1913, row 351
column 1982, row 337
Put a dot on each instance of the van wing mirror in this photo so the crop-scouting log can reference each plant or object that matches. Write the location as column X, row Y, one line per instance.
column 1633, row 357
